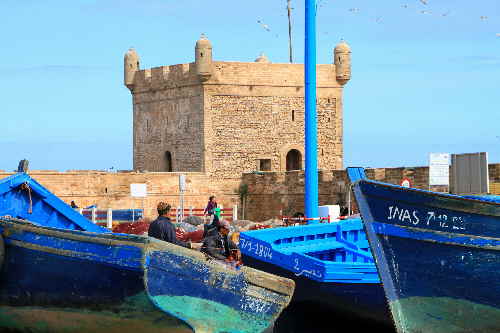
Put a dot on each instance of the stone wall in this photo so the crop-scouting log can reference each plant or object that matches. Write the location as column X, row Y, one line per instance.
column 168, row 119
column 269, row 194
column 112, row 190
column 255, row 111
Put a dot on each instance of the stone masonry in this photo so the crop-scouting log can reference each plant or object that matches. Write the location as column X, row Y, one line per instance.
column 227, row 118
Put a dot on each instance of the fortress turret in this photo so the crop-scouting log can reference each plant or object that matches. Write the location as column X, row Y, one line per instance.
column 342, row 61
column 131, row 66
column 203, row 58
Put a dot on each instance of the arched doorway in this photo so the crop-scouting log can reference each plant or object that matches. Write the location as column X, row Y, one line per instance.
column 293, row 160
column 168, row 161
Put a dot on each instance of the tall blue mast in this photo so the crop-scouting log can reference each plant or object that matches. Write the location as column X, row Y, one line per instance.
column 311, row 137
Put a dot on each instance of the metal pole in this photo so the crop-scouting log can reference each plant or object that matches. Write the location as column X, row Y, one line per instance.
column 311, row 139
column 289, row 9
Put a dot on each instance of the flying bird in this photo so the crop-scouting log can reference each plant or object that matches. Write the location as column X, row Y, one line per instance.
column 263, row 25
column 446, row 14
column 354, row 10
column 483, row 18
column 498, row 34
column 378, row 19
column 404, row 6
column 425, row 12
column 424, row 2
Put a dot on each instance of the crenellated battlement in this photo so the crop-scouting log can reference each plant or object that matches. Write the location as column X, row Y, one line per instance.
column 165, row 77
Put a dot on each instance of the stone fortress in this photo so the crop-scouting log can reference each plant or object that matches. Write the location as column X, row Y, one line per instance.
column 227, row 118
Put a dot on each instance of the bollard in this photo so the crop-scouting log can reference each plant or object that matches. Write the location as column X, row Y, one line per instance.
column 109, row 219
column 235, row 212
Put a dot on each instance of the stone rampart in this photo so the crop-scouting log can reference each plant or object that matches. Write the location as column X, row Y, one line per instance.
column 268, row 195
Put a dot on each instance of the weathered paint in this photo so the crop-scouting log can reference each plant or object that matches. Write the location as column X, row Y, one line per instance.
column 427, row 314
column 438, row 256
column 212, row 316
column 135, row 314
column 61, row 272
column 191, row 287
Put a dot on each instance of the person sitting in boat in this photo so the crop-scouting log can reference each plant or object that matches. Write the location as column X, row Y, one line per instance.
column 211, row 229
column 163, row 228
column 219, row 246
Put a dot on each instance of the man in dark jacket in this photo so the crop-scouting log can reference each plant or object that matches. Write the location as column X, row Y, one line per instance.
column 218, row 245
column 162, row 228
column 212, row 228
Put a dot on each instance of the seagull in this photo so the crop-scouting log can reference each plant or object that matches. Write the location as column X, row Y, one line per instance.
column 425, row 12
column 424, row 2
column 404, row 6
column 265, row 26
column 378, row 19
column 354, row 10
column 498, row 34
column 483, row 17
column 446, row 14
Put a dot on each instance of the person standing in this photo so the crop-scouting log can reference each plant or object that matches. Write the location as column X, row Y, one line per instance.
column 210, row 209
column 162, row 228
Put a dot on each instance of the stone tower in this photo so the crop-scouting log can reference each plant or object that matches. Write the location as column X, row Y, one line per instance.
column 225, row 118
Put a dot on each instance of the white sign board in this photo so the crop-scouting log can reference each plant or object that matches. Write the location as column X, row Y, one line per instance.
column 138, row 190
column 439, row 169
column 182, row 183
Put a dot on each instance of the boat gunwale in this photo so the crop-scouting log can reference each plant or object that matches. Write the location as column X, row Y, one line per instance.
column 78, row 235
column 445, row 198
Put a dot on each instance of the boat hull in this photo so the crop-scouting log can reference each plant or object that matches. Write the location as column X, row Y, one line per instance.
column 364, row 301
column 437, row 255
column 44, row 288
column 55, row 280
column 211, row 295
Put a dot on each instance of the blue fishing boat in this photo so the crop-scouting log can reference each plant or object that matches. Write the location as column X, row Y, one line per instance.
column 333, row 270
column 438, row 255
column 61, row 273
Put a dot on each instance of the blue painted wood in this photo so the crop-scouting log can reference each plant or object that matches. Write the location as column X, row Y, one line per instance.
column 62, row 265
column 23, row 197
column 209, row 295
column 438, row 256
column 331, row 264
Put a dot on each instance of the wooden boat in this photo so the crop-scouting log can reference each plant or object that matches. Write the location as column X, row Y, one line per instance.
column 331, row 265
column 438, row 255
column 61, row 273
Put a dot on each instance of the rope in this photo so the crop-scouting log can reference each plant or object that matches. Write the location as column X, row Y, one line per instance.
column 25, row 186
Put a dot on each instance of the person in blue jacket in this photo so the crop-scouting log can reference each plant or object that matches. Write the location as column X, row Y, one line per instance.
column 163, row 228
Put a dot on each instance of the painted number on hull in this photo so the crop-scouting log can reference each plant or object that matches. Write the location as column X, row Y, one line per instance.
column 429, row 218
column 258, row 249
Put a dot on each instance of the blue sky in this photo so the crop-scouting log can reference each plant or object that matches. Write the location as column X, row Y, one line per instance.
column 425, row 77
